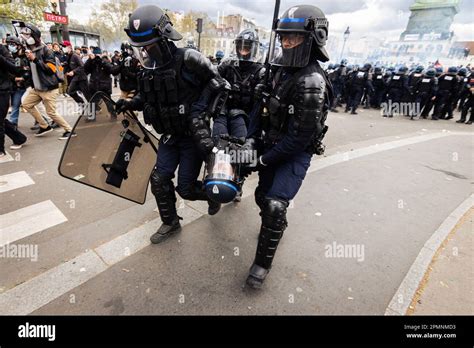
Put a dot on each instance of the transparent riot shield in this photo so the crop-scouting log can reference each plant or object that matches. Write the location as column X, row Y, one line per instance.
column 111, row 152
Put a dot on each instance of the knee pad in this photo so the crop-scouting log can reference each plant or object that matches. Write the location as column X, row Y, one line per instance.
column 161, row 185
column 274, row 214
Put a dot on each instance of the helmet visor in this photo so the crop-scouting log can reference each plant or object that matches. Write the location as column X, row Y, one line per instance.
column 294, row 50
column 153, row 56
column 246, row 50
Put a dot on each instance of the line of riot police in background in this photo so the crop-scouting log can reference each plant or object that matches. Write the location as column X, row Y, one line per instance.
column 415, row 92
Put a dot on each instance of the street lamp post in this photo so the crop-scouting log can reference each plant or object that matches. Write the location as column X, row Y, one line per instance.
column 346, row 36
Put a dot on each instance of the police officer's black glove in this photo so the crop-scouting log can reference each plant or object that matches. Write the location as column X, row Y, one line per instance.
column 199, row 127
column 123, row 105
column 248, row 156
column 260, row 91
column 205, row 146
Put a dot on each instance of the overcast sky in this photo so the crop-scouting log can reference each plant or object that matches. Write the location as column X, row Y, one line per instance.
column 381, row 18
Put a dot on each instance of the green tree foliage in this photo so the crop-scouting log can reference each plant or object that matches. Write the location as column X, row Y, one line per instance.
column 26, row 10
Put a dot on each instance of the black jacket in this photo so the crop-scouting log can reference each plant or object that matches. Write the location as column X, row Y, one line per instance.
column 128, row 69
column 74, row 63
column 99, row 69
column 7, row 67
column 45, row 64
column 22, row 62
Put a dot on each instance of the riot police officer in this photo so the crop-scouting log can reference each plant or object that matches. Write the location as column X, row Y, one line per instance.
column 219, row 57
column 175, row 88
column 243, row 74
column 468, row 106
column 360, row 81
column 380, row 87
column 291, row 126
column 397, row 90
column 426, row 92
column 463, row 89
column 413, row 78
column 127, row 67
column 448, row 85
column 339, row 82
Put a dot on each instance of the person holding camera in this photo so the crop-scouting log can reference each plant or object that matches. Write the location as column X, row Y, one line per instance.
column 99, row 68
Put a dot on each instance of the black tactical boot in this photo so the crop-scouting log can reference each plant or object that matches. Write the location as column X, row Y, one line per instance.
column 273, row 225
column 163, row 189
column 256, row 276
column 214, row 207
column 166, row 231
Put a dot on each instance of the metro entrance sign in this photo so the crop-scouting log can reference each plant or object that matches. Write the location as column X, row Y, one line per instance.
column 51, row 17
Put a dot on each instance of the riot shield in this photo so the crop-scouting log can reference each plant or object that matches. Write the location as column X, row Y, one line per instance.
column 111, row 152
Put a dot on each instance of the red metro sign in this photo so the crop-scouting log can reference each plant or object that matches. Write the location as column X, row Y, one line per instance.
column 51, row 17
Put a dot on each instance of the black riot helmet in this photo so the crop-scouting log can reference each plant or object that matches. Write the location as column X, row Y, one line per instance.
column 431, row 72
column 302, row 31
column 149, row 30
column 367, row 67
column 247, row 45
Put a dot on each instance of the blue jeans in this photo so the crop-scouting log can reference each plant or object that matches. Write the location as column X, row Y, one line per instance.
column 16, row 103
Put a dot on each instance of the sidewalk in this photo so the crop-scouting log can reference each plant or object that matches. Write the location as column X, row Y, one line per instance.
column 448, row 285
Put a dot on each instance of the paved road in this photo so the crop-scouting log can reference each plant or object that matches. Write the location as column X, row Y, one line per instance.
column 383, row 189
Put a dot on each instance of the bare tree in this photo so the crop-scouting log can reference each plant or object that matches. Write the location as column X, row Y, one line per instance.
column 111, row 19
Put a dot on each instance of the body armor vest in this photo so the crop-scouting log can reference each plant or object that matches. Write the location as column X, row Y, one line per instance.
column 426, row 84
column 378, row 80
column 396, row 81
column 359, row 79
column 242, row 82
column 168, row 96
column 447, row 83
column 415, row 78
column 275, row 124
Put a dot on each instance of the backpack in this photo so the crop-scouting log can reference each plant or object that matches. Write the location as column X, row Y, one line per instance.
column 59, row 68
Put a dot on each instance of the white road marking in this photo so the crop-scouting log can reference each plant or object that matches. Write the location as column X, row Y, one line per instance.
column 6, row 158
column 43, row 288
column 404, row 295
column 26, row 221
column 14, row 180
column 39, row 291
column 321, row 163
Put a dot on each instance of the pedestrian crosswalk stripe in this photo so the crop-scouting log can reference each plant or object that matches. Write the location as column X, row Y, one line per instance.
column 6, row 158
column 27, row 221
column 14, row 180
